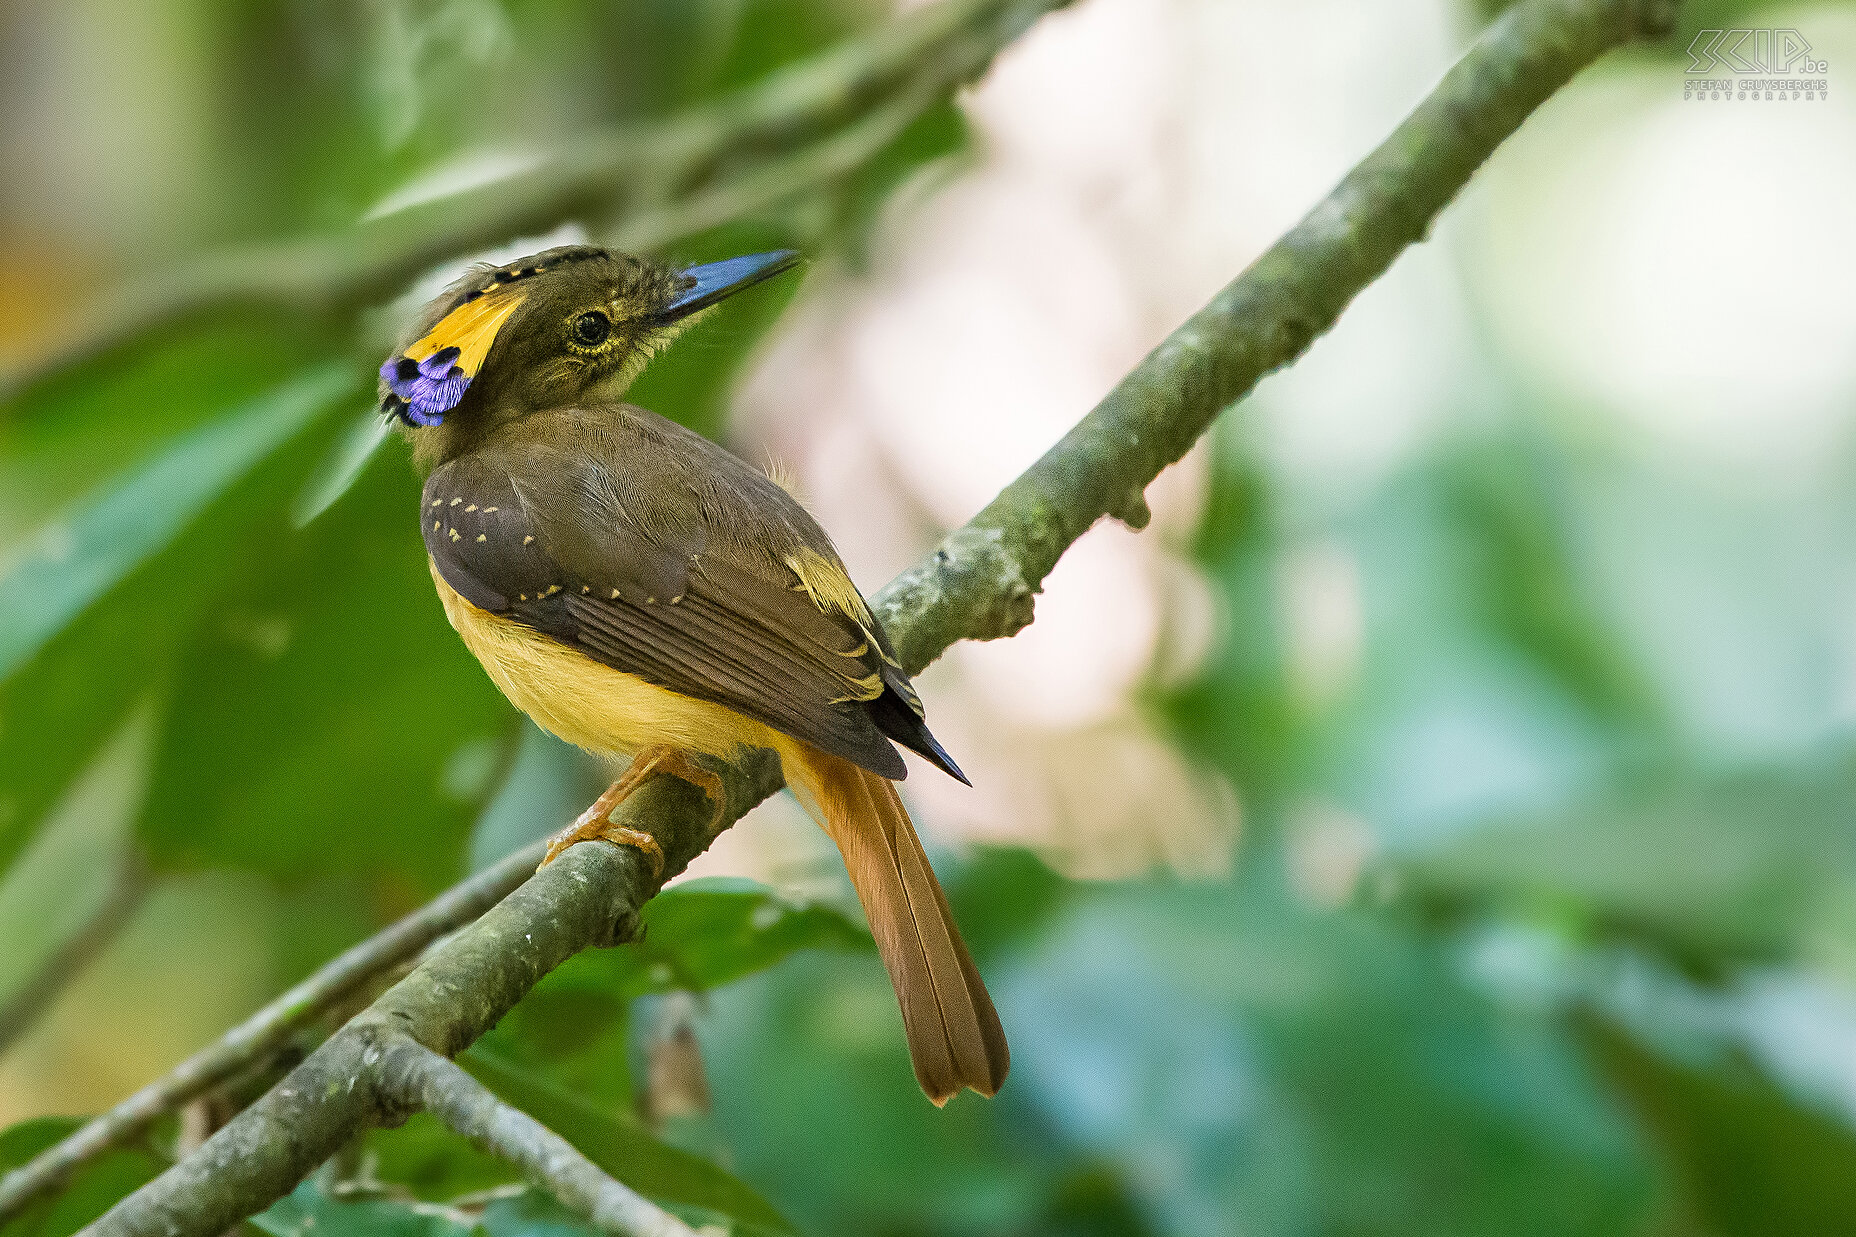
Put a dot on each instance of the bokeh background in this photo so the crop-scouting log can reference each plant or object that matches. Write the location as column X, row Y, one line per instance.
column 1441, row 820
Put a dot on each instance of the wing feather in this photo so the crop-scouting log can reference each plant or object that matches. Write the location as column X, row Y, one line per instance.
column 759, row 645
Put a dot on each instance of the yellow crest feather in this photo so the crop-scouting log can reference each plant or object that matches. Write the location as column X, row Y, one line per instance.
column 470, row 328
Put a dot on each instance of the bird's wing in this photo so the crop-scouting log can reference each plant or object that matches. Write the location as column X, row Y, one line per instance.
column 654, row 580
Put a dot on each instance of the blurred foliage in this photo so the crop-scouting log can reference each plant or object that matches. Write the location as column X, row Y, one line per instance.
column 219, row 649
column 90, row 1193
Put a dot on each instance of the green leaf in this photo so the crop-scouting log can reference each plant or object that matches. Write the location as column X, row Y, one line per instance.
column 533, row 1214
column 1529, row 580
column 1002, row 896
column 74, row 561
column 330, row 652
column 621, row 1145
column 711, row 932
column 697, row 936
column 933, row 137
column 105, row 417
column 94, row 1189
column 431, row 1161
column 1230, row 1059
column 309, row 1212
column 22, row 1142
column 128, row 572
column 340, row 468
column 1708, row 870
column 573, row 1029
column 1748, row 1161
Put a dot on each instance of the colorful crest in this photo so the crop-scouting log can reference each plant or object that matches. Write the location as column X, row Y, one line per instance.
column 429, row 378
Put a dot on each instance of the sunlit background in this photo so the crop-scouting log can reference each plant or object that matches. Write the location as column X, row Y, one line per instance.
column 1441, row 819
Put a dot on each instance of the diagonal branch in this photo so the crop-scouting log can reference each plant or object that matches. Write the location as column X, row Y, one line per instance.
column 420, row 1078
column 977, row 584
column 628, row 173
column 265, row 1032
column 27, row 1003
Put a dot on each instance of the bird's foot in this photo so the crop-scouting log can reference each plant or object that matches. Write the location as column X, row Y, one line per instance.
column 596, row 822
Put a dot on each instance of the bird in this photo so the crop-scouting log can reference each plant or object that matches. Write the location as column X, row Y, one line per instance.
column 641, row 592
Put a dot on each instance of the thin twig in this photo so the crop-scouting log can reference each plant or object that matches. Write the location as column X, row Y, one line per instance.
column 32, row 998
column 978, row 583
column 612, row 174
column 264, row 1032
column 420, row 1078
column 775, row 182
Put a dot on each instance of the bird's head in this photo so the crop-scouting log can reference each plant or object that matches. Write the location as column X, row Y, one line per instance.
column 571, row 325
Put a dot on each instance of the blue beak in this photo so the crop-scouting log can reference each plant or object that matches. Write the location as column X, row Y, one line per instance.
column 714, row 281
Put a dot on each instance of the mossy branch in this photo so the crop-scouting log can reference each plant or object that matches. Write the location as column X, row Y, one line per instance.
column 979, row 583
column 266, row 1033
column 425, row 1080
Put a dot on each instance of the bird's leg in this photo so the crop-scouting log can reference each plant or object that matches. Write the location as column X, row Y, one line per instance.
column 596, row 823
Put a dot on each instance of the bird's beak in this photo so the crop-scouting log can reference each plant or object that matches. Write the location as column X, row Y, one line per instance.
column 715, row 281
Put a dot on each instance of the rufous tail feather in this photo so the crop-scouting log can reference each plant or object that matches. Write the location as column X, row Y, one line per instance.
column 954, row 1035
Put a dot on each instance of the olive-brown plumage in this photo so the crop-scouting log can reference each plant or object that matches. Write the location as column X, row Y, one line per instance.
column 637, row 589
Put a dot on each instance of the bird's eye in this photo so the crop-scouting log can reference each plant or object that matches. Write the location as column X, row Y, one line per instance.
column 591, row 328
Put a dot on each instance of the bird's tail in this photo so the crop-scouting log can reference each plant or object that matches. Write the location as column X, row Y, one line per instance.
column 955, row 1039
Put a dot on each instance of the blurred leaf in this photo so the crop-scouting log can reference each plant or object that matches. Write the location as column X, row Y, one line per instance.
column 705, row 933
column 573, row 1028
column 1255, row 1043
column 92, row 613
column 1239, row 714
column 1748, row 1161
column 106, row 417
column 532, row 1213
column 1451, row 702
column 771, row 33
column 1507, row 499
column 308, row 1212
column 1710, row 870
column 75, row 561
column 341, row 467
column 325, row 718
column 1003, row 896
column 814, row 1094
column 936, row 135
column 1228, row 1060
column 432, row 1162
column 94, row 1189
column 619, row 1143
column 78, row 877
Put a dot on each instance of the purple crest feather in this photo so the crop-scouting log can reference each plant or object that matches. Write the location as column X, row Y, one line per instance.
column 430, row 388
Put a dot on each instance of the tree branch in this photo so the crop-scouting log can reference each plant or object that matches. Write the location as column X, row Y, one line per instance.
column 420, row 1078
column 265, row 1032
column 978, row 584
column 622, row 174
